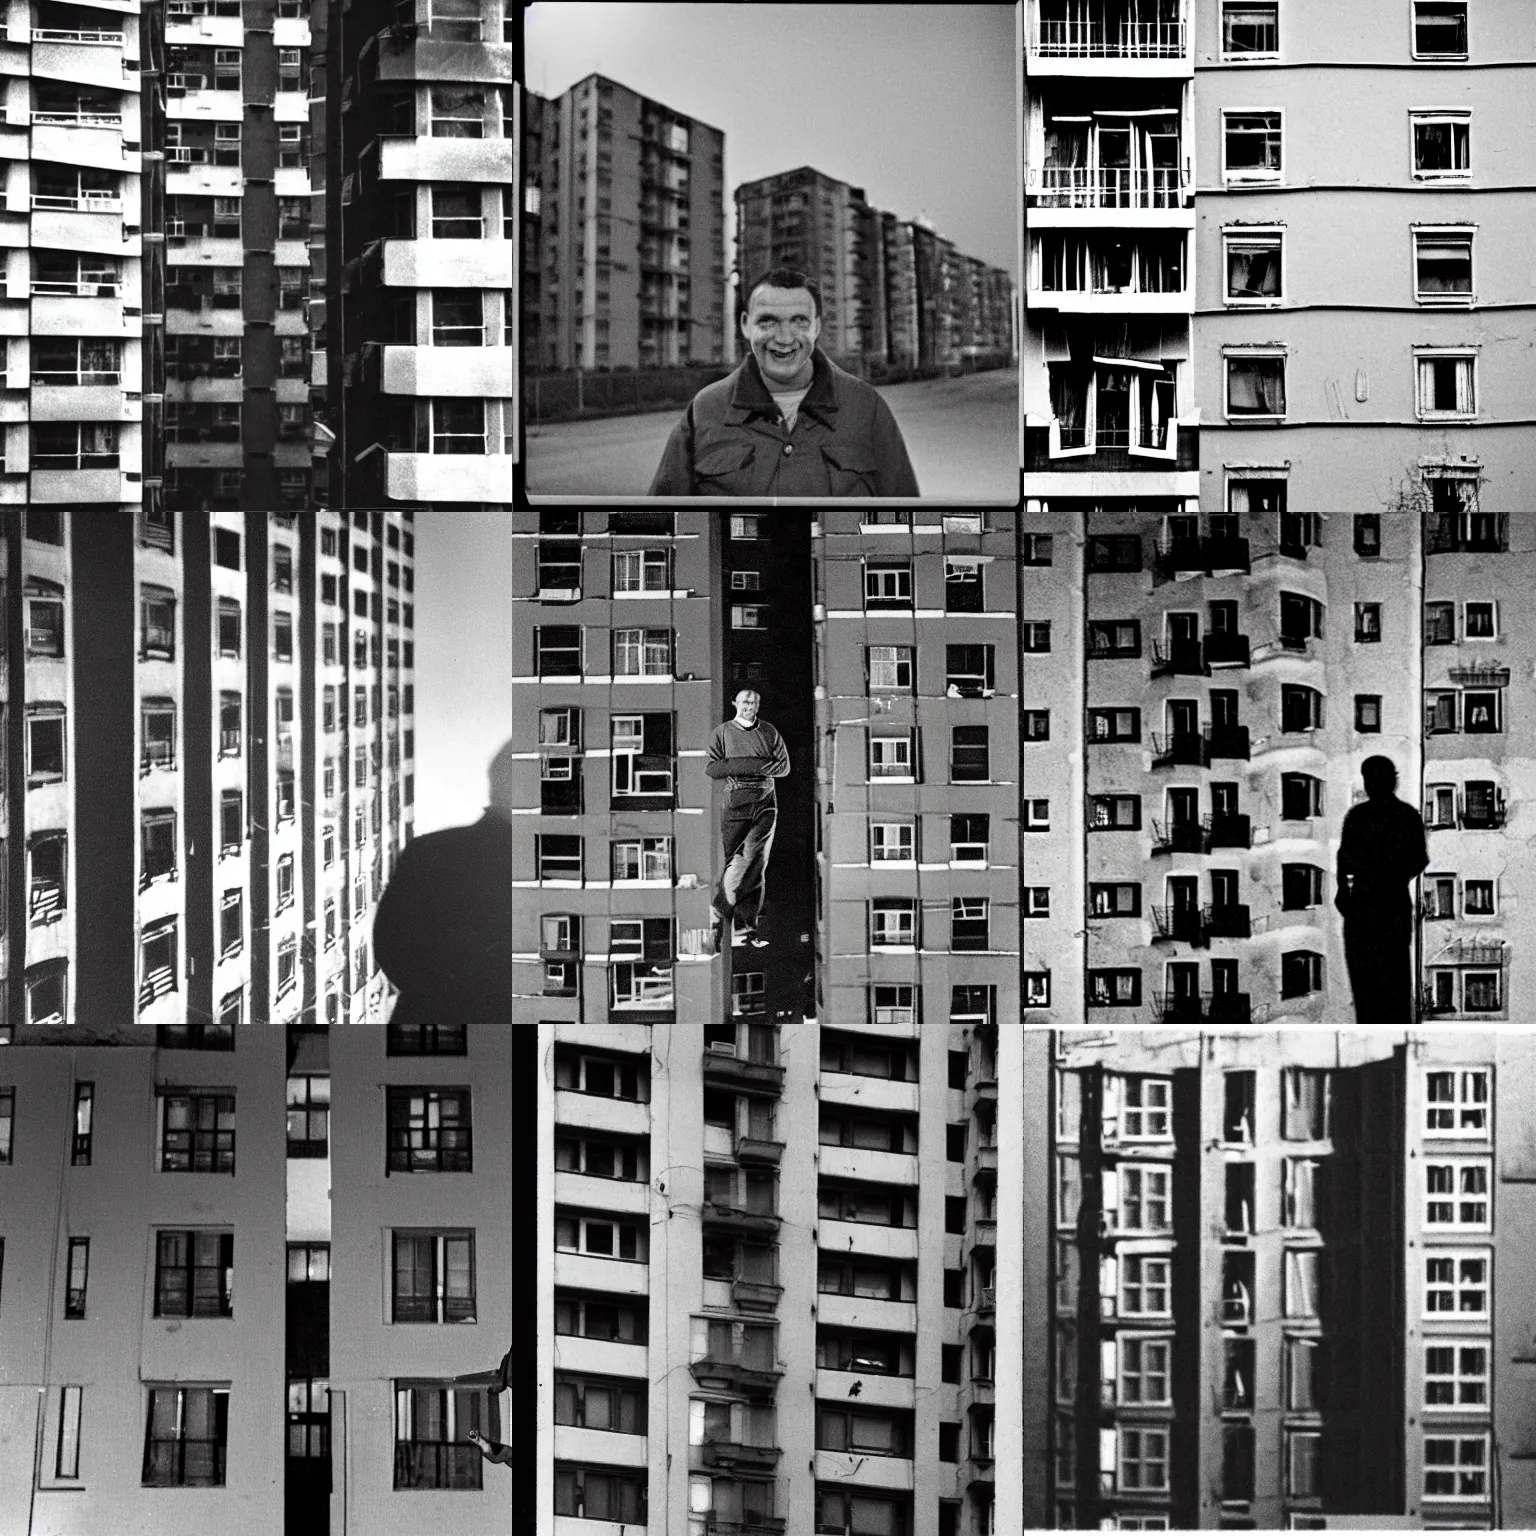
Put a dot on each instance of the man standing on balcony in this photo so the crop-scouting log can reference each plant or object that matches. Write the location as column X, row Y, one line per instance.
column 788, row 422
column 749, row 755
column 1382, row 849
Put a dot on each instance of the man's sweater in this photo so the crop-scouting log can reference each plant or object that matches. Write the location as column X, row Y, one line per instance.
column 748, row 760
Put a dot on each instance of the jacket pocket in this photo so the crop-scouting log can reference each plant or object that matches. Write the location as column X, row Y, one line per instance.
column 724, row 469
column 850, row 471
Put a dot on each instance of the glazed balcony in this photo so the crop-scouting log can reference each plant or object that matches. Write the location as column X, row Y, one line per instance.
column 1120, row 189
column 1106, row 37
column 1109, row 272
column 723, row 1070
column 758, row 1152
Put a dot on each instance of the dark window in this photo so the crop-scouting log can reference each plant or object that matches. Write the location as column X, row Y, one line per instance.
column 1037, row 725
column 1036, row 549
column 85, row 1111
column 1301, row 971
column 416, row 1039
column 78, row 1276
column 969, row 754
column 1301, row 796
column 434, row 1277
column 1440, row 28
column 599, row 1494
column 229, row 724
column 45, row 748
column 1114, row 988
column 186, row 1436
column 1115, row 552
column 158, row 723
column 226, row 548
column 1114, row 725
column 158, row 843
column 963, row 586
column 45, row 526
column 45, row 620
column 231, row 820
column 1368, row 712
column 158, row 961
column 582, row 1314
column 618, row 1405
column 430, row 1129
column 198, row 1135
column 1301, row 885
column 1114, row 813
column 431, row 1423
column 229, row 627
column 309, row 1116
column 1367, row 533
column 195, row 1274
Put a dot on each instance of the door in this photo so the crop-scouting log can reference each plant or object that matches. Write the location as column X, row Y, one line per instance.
column 1223, row 617
column 1223, row 706
column 1182, row 628
column 1224, row 887
column 1223, row 800
column 1114, row 146
column 1183, row 717
column 1183, row 905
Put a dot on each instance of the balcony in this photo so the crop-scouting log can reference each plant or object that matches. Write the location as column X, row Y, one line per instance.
column 1466, row 532
column 1226, row 741
column 80, row 56
column 758, row 1152
column 1206, row 556
column 756, row 1381
column 1225, row 649
column 1228, row 1007
column 722, row 1070
column 1228, row 921
column 1229, row 832
column 1097, row 187
column 55, row 315
column 479, row 372
column 1178, row 1007
column 51, row 484
column 1178, row 837
column 734, row 1218
column 1182, row 925
column 407, row 157
column 756, row 1295
column 93, row 225
column 986, row 1300
column 408, row 57
column 1179, row 658
column 1482, row 675
column 1186, row 748
column 732, row 1454
column 1062, row 34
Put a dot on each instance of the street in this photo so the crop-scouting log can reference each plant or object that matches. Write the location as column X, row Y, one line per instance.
column 962, row 435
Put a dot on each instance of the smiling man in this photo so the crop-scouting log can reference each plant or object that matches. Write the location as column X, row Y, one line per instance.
column 789, row 421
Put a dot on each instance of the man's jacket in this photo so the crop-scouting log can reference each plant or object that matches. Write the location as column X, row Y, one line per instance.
column 732, row 441
column 748, row 761
column 443, row 929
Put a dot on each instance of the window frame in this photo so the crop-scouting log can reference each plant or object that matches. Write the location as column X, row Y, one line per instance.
column 1456, row 1257
column 1457, row 1378
column 445, row 1309
column 1249, row 175
column 1256, row 55
column 1425, row 116
column 1267, row 354
column 1440, row 58
column 1242, row 234
column 1466, row 359
column 1458, row 1198
column 1459, row 1439
column 1423, row 235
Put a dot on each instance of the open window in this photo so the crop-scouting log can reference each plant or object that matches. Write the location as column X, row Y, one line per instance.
column 1442, row 265
column 1253, row 262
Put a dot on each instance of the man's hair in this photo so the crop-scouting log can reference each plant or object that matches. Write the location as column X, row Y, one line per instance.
column 1380, row 775
column 784, row 277
column 753, row 691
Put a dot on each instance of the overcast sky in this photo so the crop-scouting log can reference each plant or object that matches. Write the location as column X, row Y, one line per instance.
column 916, row 104
column 463, row 661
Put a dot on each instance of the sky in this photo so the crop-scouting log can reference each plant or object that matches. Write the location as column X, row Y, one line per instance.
column 463, row 661
column 916, row 104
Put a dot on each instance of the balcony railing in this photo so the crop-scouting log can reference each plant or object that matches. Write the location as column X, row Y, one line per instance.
column 1107, row 37
column 77, row 119
column 1195, row 1007
column 1482, row 675
column 1180, row 658
column 1229, row 831
column 91, row 36
column 1207, row 555
column 1487, row 532
column 1183, row 925
column 1081, row 186
column 1224, row 649
column 1182, row 747
column 1178, row 837
column 89, row 202
column 1228, row 921
column 1178, row 1007
column 1226, row 741
column 65, row 289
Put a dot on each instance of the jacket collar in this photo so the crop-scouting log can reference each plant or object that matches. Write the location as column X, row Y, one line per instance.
column 751, row 396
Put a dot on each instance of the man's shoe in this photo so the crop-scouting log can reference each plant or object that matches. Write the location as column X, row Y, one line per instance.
column 757, row 941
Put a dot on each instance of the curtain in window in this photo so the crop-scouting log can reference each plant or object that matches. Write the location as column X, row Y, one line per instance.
column 1069, row 405
column 1256, row 386
column 1253, row 271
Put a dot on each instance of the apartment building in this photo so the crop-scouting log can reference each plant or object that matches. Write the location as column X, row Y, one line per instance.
column 1199, row 696
column 74, row 299
column 1385, row 371
column 418, row 307
column 1110, row 405
column 210, row 732
column 766, row 1249
column 183, row 1309
column 1286, row 1281
column 629, row 266
column 918, row 838
column 228, row 250
column 894, row 293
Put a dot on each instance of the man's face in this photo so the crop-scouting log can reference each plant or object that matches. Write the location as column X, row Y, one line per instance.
column 746, row 707
column 781, row 327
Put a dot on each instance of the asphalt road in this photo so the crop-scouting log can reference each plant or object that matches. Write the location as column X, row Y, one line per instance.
column 962, row 435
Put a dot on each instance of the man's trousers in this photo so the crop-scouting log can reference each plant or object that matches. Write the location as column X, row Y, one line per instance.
column 747, row 838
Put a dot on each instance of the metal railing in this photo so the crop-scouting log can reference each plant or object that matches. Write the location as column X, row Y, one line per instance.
column 65, row 289
column 77, row 119
column 89, row 202
column 1107, row 37
column 1080, row 186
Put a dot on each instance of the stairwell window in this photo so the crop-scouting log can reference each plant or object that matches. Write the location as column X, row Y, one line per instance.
column 1442, row 144
column 1251, row 146
column 1447, row 385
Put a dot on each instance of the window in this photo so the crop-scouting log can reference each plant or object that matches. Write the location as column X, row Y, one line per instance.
column 1480, row 621
column 890, row 668
column 455, row 21
column 229, row 724
column 969, row 835
column 309, row 1111
column 645, row 859
column 1478, row 898
column 1456, row 1375
column 1114, row 813
column 1114, row 900
column 1442, row 144
column 85, row 1101
column 78, row 1275
column 1446, row 385
column 1144, row 1370
column 1301, row 972
column 892, row 757
column 558, row 857
column 1368, row 534
column 1299, row 1193
column 969, row 754
column 1114, row 989
column 198, row 1133
column 1440, row 29
column 194, row 1274
column 604, row 1076
column 893, row 922
column 1035, row 636
column 968, row 671
column 969, row 920
column 430, row 1130
column 1482, row 712
column 962, row 585
column 1142, row 1460
column 1367, row 622
column 887, row 586
column 1368, row 713
column 1299, row 1276
column 1457, row 1194
column 1037, row 815
column 157, row 961
column 457, row 112
column 185, row 1437
column 1456, row 1283
column 641, row 751
column 1251, row 146
column 893, row 1004
column 1146, row 1285
column 1456, row 1467
column 614, row 1404
column 434, row 1277
column 1109, row 638
column 1114, row 725
column 892, row 842
column 1142, row 1202
column 47, row 878
column 1253, row 266
column 1442, row 267
column 745, row 526
column 231, row 821
column 863, row 1432
column 1145, row 1109
column 1301, row 708
column 1255, row 386
column 1456, row 1103
column 599, row 1234
column 1036, row 549
column 432, row 1422
column 457, row 321
column 642, row 652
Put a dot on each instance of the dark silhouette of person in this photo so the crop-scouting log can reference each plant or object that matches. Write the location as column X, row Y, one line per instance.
column 443, row 930
column 1382, row 850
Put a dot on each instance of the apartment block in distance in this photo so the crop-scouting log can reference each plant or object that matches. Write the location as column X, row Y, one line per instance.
column 1287, row 1281
column 418, row 360
column 184, row 1311
column 209, row 738
column 1203, row 692
column 625, row 262
column 768, row 1251
column 1109, row 192
column 918, row 839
